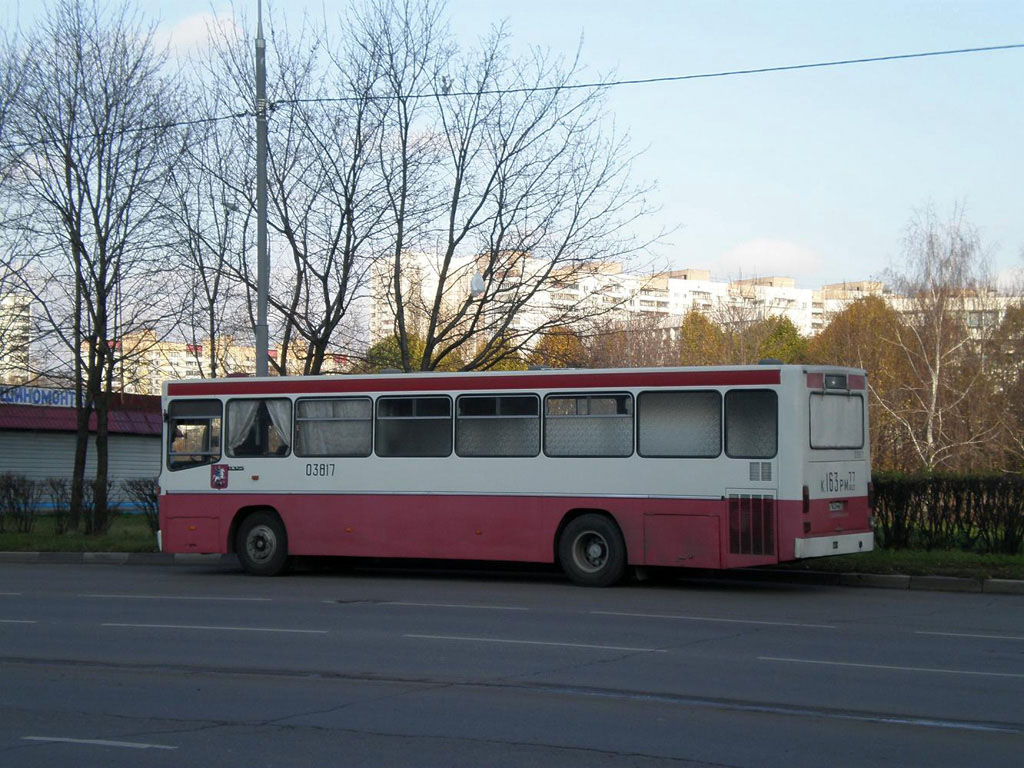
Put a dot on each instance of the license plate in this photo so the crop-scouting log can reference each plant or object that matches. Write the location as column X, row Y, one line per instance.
column 836, row 506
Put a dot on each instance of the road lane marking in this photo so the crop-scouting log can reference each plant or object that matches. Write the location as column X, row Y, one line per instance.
column 459, row 605
column 10, row 594
column 96, row 742
column 177, row 597
column 932, row 670
column 535, row 642
column 712, row 619
column 218, row 629
column 17, row 621
column 964, row 634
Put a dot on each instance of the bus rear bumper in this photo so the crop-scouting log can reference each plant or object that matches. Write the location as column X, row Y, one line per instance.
column 844, row 544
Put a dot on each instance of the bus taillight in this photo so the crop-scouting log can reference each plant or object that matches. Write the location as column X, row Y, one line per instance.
column 807, row 500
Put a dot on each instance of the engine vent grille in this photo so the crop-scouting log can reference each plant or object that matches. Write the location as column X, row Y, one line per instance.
column 751, row 524
column 760, row 471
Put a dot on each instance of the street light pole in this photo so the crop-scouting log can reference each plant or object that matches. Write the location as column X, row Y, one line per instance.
column 262, row 254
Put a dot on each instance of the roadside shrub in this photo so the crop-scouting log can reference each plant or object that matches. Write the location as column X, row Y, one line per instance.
column 97, row 521
column 19, row 502
column 58, row 490
column 143, row 493
column 975, row 513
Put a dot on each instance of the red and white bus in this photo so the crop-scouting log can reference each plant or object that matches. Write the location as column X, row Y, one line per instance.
column 596, row 470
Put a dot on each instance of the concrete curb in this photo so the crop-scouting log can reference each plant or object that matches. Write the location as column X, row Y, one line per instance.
column 945, row 584
column 820, row 578
column 1003, row 587
column 878, row 580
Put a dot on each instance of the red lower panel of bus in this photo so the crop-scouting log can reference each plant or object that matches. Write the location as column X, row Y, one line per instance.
column 728, row 533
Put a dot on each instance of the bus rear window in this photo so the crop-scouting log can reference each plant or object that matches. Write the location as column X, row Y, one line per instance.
column 837, row 421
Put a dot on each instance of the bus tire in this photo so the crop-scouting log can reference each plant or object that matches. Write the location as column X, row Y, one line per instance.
column 592, row 551
column 262, row 544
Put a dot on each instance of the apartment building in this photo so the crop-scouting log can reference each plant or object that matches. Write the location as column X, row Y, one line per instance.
column 15, row 338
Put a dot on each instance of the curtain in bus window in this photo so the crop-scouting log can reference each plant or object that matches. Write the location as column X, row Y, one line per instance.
column 241, row 419
column 280, row 411
column 837, row 421
column 680, row 424
column 333, row 427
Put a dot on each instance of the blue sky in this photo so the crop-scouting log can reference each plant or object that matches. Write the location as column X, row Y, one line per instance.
column 812, row 174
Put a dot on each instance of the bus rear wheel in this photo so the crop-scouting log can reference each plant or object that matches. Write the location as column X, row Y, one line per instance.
column 262, row 544
column 592, row 551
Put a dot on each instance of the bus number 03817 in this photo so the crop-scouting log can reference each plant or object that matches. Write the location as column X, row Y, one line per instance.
column 320, row 470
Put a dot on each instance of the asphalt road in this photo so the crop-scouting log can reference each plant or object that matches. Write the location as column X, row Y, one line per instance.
column 201, row 665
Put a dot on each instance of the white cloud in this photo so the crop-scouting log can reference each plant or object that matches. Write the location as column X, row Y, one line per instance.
column 767, row 257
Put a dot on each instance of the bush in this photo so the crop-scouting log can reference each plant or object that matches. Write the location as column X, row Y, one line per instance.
column 97, row 521
column 19, row 502
column 143, row 492
column 58, row 489
column 974, row 513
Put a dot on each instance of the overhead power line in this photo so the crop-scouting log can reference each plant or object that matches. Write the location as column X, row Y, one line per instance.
column 565, row 87
column 674, row 78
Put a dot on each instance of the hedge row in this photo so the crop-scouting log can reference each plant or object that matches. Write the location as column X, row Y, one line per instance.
column 971, row 513
column 23, row 500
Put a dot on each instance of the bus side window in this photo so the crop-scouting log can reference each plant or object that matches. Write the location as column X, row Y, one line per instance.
column 685, row 424
column 489, row 425
column 588, row 425
column 751, row 423
column 193, row 433
column 259, row 427
column 336, row 426
column 414, row 426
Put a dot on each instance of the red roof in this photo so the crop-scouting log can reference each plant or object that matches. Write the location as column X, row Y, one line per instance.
column 130, row 415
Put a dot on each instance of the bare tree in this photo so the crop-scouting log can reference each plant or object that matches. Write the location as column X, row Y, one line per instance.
column 95, row 113
column 211, row 225
column 503, row 175
column 949, row 310
column 324, row 194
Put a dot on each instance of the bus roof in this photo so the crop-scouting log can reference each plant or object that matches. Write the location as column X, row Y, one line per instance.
column 548, row 378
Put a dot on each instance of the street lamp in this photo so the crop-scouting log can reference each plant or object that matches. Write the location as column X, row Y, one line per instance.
column 262, row 256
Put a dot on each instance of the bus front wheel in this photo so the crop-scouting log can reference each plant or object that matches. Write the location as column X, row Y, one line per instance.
column 262, row 544
column 592, row 551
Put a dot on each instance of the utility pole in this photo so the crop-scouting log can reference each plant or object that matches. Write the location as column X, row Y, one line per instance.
column 262, row 255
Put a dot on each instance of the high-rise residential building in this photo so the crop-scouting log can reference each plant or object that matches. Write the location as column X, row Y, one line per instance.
column 15, row 338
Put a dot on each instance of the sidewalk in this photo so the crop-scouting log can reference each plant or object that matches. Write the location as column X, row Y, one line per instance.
column 876, row 580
